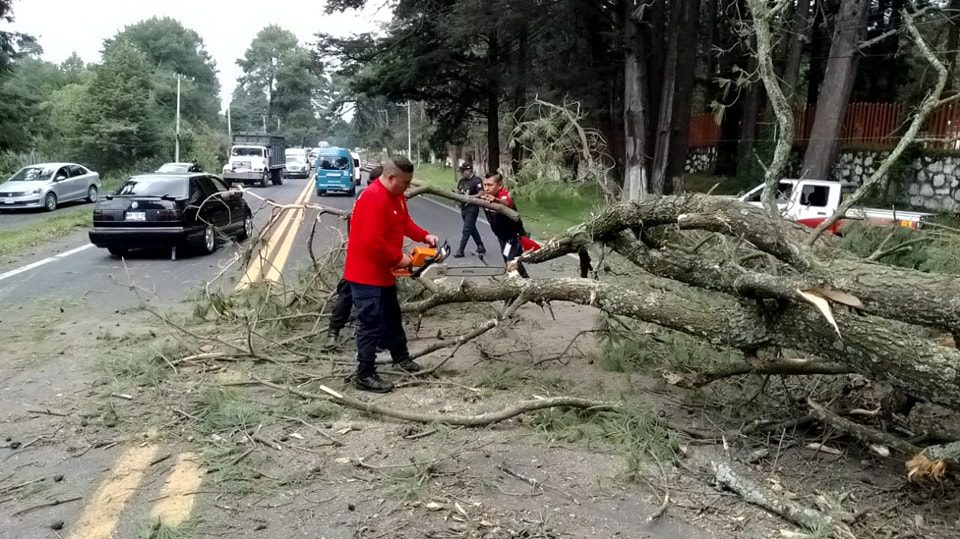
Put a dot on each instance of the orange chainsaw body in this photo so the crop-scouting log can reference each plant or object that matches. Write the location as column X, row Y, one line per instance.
column 418, row 257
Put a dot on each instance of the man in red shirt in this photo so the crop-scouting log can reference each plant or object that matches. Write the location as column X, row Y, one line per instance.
column 508, row 232
column 374, row 249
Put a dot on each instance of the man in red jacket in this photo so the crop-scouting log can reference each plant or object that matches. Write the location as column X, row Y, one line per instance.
column 374, row 249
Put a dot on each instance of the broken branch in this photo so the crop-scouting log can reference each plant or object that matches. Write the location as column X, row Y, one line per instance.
column 480, row 420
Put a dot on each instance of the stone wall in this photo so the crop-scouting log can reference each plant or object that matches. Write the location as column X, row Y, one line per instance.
column 700, row 160
column 930, row 182
column 936, row 184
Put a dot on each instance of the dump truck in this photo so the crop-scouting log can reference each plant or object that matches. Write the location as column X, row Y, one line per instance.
column 255, row 159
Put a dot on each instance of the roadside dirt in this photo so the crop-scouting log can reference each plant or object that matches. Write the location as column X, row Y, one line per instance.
column 78, row 395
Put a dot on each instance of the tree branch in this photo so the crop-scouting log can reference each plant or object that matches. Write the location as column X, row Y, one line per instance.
column 479, row 420
column 420, row 188
column 929, row 103
column 761, row 496
column 786, row 367
column 762, row 13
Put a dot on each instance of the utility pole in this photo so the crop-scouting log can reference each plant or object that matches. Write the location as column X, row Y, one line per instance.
column 176, row 152
column 229, row 126
column 409, row 131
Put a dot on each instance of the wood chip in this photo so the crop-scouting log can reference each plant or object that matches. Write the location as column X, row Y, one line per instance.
column 824, row 448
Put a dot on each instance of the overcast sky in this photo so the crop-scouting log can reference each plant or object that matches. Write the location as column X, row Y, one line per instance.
column 226, row 26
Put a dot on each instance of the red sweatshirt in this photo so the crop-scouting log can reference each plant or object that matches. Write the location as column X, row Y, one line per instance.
column 375, row 245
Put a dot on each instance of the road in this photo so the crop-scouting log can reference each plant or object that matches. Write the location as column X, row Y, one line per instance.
column 63, row 305
column 77, row 270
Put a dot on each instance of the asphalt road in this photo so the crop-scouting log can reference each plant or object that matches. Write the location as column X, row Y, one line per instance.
column 79, row 271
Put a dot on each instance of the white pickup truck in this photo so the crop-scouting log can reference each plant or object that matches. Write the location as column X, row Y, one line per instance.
column 810, row 202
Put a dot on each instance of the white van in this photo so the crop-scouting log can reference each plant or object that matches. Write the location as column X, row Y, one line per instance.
column 356, row 167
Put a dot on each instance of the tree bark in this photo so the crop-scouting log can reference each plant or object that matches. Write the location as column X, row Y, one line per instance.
column 801, row 30
column 817, row 53
column 674, row 94
column 953, row 42
column 868, row 344
column 835, row 93
column 747, row 136
column 899, row 294
column 520, row 93
column 686, row 69
column 493, row 102
column 634, row 109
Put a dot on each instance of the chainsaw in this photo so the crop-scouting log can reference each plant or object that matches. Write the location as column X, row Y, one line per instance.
column 422, row 258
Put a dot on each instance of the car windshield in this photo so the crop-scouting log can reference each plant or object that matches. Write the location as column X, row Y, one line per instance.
column 784, row 191
column 32, row 174
column 247, row 152
column 173, row 168
column 294, row 159
column 334, row 163
column 155, row 187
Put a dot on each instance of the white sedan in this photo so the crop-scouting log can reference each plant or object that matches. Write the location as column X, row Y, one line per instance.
column 47, row 185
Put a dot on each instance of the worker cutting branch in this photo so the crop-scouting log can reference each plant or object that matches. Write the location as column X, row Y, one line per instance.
column 374, row 251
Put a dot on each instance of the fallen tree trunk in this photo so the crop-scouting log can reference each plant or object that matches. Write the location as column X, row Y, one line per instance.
column 896, row 293
column 882, row 349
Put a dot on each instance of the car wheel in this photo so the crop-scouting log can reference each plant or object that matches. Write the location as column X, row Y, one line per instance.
column 50, row 202
column 247, row 229
column 353, row 192
column 263, row 180
column 118, row 251
column 209, row 240
column 321, row 193
column 93, row 194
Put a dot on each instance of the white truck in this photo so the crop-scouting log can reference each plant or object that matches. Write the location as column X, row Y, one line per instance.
column 811, row 202
column 255, row 158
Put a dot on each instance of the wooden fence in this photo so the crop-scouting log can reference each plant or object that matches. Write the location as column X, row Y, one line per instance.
column 871, row 125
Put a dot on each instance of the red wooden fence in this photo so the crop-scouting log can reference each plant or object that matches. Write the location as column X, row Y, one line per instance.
column 873, row 125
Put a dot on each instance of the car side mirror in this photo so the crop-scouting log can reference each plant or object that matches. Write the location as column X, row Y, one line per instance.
column 59, row 178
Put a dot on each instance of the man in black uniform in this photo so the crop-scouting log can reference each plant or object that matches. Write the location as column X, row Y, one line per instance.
column 469, row 185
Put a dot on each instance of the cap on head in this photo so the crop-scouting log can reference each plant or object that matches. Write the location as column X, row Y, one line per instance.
column 466, row 166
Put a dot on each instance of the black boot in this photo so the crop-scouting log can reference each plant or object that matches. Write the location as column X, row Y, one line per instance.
column 458, row 254
column 373, row 383
column 481, row 250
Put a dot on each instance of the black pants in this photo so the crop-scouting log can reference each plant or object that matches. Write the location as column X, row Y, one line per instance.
column 342, row 306
column 378, row 322
column 515, row 250
column 470, row 214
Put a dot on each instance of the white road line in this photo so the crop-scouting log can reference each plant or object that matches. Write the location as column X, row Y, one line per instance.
column 45, row 261
column 481, row 219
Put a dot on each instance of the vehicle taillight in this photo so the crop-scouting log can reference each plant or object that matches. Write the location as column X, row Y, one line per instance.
column 168, row 215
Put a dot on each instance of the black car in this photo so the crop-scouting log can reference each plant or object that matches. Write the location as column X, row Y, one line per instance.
column 166, row 210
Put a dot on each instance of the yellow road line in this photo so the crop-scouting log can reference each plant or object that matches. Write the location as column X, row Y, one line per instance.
column 283, row 250
column 101, row 514
column 179, row 492
column 264, row 259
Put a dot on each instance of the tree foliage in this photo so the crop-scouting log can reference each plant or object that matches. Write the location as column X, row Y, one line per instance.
column 171, row 49
column 119, row 119
column 282, row 89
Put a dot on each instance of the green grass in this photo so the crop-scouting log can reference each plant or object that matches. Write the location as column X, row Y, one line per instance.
column 159, row 530
column 547, row 209
column 36, row 232
column 709, row 183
